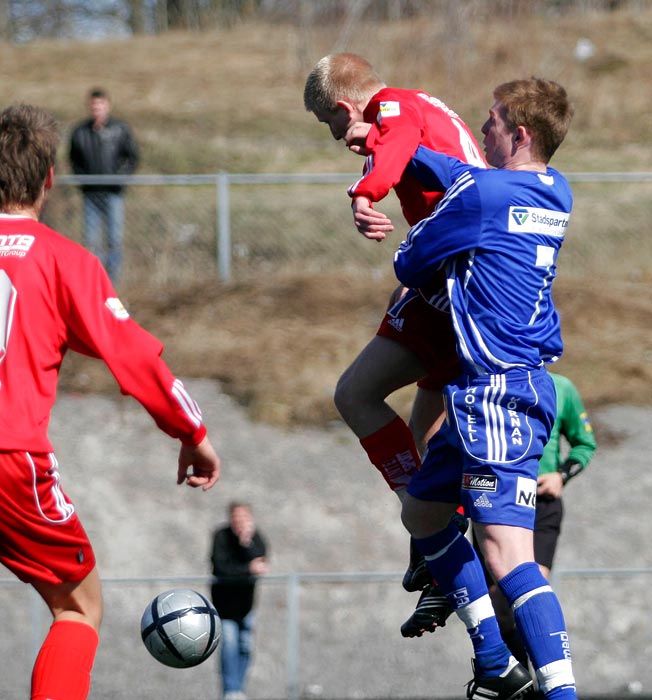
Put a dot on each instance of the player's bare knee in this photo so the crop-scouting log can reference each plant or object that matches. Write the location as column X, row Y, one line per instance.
column 345, row 396
column 424, row 518
column 412, row 516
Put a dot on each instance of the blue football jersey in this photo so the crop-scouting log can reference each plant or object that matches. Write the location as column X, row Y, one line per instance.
column 498, row 234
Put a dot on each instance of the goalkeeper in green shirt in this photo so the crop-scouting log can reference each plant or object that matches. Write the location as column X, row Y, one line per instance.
column 556, row 468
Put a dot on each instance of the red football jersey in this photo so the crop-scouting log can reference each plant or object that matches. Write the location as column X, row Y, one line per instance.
column 401, row 121
column 55, row 295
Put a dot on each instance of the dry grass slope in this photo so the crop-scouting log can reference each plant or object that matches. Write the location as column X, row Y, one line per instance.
column 278, row 345
column 232, row 99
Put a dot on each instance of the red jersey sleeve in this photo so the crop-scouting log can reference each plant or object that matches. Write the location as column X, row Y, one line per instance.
column 395, row 134
column 55, row 295
column 402, row 120
column 99, row 326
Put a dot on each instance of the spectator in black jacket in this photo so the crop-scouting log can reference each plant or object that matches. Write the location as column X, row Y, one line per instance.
column 102, row 145
column 238, row 557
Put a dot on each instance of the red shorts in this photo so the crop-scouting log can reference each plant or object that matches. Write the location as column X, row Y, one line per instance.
column 41, row 537
column 428, row 332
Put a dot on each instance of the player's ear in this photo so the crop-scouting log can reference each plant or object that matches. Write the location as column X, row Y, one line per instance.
column 49, row 179
column 521, row 136
column 346, row 106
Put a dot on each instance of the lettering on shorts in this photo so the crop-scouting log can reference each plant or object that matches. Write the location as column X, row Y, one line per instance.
column 480, row 482
column 515, row 421
column 526, row 492
column 472, row 419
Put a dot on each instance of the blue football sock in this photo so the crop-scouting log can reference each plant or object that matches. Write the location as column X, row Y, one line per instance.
column 456, row 568
column 540, row 621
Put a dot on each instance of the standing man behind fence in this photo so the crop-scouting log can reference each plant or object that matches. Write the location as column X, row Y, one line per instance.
column 102, row 145
column 239, row 557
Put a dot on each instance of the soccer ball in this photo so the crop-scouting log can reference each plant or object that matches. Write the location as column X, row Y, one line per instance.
column 180, row 628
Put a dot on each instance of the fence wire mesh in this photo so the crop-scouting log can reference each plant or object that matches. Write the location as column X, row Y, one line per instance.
column 180, row 231
column 337, row 638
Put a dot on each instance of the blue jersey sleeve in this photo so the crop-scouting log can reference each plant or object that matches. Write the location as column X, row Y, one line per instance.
column 432, row 169
column 436, row 170
column 454, row 227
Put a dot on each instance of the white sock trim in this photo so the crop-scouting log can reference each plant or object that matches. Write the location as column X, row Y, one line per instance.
column 473, row 613
column 556, row 674
column 530, row 594
column 441, row 552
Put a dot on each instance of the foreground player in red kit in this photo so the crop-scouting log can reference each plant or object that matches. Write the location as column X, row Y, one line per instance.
column 54, row 295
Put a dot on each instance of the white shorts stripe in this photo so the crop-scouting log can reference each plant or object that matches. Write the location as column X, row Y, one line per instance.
column 62, row 506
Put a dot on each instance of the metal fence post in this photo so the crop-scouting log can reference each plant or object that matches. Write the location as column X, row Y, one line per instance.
column 223, row 227
column 293, row 641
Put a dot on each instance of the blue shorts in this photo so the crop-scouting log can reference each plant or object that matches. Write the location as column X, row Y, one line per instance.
column 486, row 456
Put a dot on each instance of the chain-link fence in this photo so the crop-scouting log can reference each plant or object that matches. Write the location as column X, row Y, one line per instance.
column 186, row 229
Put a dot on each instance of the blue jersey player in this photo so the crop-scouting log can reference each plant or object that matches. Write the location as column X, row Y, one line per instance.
column 497, row 234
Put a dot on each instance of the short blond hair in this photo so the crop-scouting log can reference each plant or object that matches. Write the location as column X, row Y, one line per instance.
column 340, row 76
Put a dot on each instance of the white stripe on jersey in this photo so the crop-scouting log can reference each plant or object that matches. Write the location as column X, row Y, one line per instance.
column 368, row 167
column 186, row 402
column 462, row 182
column 547, row 281
column 477, row 335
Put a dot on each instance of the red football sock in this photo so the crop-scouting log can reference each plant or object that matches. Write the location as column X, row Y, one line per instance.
column 393, row 452
column 63, row 666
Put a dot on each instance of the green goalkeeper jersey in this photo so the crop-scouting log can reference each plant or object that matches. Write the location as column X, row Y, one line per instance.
column 572, row 422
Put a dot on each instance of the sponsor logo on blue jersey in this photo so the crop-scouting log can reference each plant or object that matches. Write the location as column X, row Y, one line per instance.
column 520, row 215
column 534, row 220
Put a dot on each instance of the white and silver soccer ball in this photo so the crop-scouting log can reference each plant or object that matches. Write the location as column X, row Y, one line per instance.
column 181, row 628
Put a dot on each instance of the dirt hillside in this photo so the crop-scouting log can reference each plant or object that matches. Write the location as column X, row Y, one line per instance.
column 278, row 345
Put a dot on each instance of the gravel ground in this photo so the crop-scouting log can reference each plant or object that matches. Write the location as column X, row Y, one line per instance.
column 323, row 509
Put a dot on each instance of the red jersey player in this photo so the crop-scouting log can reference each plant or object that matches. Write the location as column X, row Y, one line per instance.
column 415, row 341
column 54, row 295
